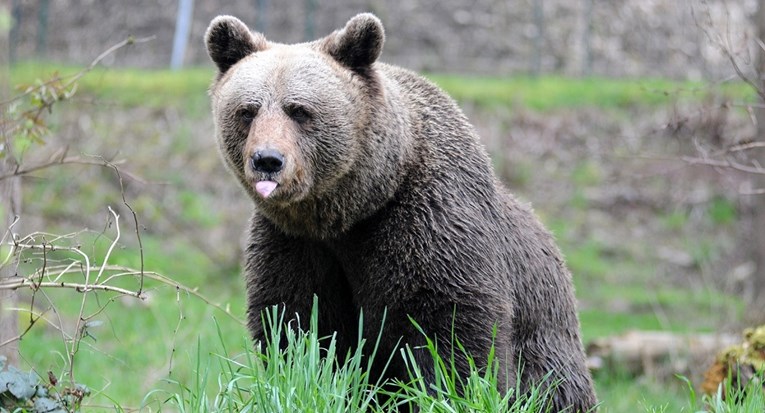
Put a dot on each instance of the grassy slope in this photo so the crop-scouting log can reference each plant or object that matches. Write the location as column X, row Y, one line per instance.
column 137, row 349
column 165, row 87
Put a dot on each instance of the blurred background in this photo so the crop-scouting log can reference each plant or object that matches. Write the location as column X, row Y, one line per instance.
column 657, row 38
column 627, row 124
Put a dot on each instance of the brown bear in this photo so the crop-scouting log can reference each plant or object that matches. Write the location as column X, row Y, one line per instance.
column 373, row 193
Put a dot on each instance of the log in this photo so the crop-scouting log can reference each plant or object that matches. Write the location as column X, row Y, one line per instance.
column 659, row 354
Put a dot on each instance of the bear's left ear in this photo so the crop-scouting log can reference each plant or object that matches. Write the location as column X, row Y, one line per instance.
column 229, row 40
column 359, row 43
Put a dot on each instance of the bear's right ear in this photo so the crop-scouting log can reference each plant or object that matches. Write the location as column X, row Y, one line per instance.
column 229, row 40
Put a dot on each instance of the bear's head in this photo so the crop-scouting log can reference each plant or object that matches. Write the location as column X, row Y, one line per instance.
column 312, row 130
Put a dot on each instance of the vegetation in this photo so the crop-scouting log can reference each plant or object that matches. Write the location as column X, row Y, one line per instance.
column 175, row 351
column 161, row 88
column 24, row 391
column 303, row 375
column 552, row 92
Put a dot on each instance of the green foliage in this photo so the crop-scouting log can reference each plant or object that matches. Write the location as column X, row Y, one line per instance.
column 622, row 392
column 621, row 293
column 197, row 209
column 701, row 250
column 722, row 211
column 131, row 87
column 586, row 174
column 23, row 391
column 297, row 371
column 478, row 392
column 116, row 330
column 554, row 92
column 6, row 20
column 675, row 220
column 163, row 88
column 588, row 260
column 170, row 322
column 730, row 397
column 25, row 114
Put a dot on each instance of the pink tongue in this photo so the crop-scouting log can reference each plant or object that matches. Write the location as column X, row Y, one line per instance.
column 265, row 188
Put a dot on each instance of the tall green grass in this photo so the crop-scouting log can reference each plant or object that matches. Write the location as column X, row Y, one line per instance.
column 295, row 370
column 478, row 392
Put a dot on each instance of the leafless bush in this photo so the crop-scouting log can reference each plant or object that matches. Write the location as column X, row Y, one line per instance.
column 80, row 263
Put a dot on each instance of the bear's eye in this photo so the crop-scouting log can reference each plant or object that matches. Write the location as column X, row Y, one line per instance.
column 299, row 114
column 246, row 115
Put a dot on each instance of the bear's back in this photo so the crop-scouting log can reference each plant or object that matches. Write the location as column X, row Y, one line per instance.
column 445, row 142
column 453, row 164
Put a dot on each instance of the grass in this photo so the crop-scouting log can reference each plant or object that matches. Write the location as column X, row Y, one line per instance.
column 553, row 92
column 188, row 356
column 298, row 371
column 732, row 399
column 132, row 345
column 160, row 88
column 621, row 293
column 128, row 87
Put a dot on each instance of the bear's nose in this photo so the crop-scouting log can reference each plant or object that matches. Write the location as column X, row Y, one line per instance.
column 268, row 161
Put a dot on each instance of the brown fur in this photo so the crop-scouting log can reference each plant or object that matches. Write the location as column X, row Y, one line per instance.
column 387, row 201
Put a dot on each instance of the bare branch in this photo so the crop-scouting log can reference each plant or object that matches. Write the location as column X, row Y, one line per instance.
column 57, row 162
column 135, row 222
column 193, row 291
column 120, row 271
column 746, row 146
column 26, row 282
column 724, row 164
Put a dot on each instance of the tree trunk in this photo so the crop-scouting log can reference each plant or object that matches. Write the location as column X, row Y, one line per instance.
column 758, row 243
column 10, row 203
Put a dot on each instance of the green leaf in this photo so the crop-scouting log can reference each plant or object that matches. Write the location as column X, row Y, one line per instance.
column 6, row 21
column 20, row 384
column 44, row 404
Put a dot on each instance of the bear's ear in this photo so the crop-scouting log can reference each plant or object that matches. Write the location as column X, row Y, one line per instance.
column 359, row 43
column 229, row 40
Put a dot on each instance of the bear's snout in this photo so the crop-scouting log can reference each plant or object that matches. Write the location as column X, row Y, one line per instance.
column 268, row 161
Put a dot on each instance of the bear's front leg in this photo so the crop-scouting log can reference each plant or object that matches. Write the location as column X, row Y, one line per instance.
column 445, row 314
column 288, row 272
